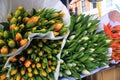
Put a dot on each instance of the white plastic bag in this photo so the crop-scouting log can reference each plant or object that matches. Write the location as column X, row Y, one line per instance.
column 7, row 6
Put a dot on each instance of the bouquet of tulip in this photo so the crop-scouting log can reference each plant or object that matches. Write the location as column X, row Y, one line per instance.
column 39, row 59
column 113, row 34
column 85, row 49
column 21, row 24
column 37, row 62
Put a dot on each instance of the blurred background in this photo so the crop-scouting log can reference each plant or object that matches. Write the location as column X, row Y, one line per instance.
column 91, row 6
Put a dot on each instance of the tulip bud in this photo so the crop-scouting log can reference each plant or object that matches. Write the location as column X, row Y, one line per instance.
column 13, row 72
column 37, row 59
column 108, row 41
column 4, row 50
column 61, row 75
column 40, row 53
column 23, row 42
column 29, row 69
column 38, row 65
column 49, row 70
column 19, row 19
column 32, row 21
column 33, row 65
column 12, row 26
column 85, row 38
column 29, row 51
column 22, row 26
column 9, row 17
column 26, row 19
column 55, row 14
column 11, row 43
column 17, row 13
column 61, row 61
column 13, row 21
column 30, row 74
column 43, row 73
column 56, row 33
column 16, row 28
column 51, row 22
column 57, row 26
column 55, row 51
column 72, row 37
column 18, row 76
column 61, row 13
column 85, row 72
column 18, row 37
column 14, row 59
column 3, row 76
column 2, row 43
column 92, row 50
column 35, row 71
column 68, row 72
column 20, row 8
column 5, row 34
column 91, row 59
column 22, row 59
column 27, row 63
column 53, row 68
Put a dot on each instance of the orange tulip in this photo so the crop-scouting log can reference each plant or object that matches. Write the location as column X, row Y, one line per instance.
column 116, row 36
column 23, row 42
column 107, row 29
column 113, row 33
column 27, row 63
column 116, row 28
column 114, row 44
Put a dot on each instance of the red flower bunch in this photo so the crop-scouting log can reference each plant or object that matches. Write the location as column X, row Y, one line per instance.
column 114, row 34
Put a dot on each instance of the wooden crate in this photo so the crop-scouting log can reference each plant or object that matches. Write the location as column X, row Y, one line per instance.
column 112, row 73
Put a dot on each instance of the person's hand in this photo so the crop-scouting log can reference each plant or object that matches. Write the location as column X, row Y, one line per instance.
column 114, row 16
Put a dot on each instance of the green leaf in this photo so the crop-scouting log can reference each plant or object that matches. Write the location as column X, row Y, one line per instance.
column 75, row 74
column 72, row 24
column 5, row 25
column 33, row 12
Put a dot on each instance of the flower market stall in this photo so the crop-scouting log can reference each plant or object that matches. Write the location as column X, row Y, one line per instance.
column 40, row 40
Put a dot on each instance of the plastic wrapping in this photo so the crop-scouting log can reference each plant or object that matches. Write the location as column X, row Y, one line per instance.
column 82, row 76
column 8, row 6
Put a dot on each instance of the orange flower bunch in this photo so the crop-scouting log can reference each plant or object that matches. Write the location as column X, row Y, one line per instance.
column 114, row 34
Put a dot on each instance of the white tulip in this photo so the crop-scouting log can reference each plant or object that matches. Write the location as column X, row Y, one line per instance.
column 82, row 48
column 60, row 74
column 68, row 72
column 95, row 44
column 72, row 37
column 108, row 41
column 89, row 24
column 92, row 50
column 91, row 59
column 85, row 38
column 77, row 68
column 85, row 72
column 69, row 64
column 61, row 61
column 73, row 64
